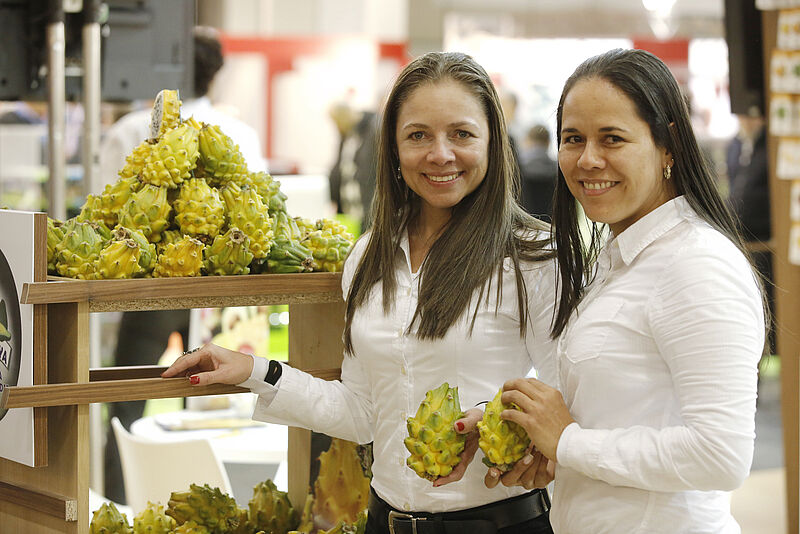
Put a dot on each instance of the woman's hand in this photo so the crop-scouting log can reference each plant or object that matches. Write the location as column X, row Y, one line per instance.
column 212, row 364
column 466, row 425
column 534, row 470
column 542, row 412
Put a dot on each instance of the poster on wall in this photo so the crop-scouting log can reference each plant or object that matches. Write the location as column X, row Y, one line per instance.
column 17, row 267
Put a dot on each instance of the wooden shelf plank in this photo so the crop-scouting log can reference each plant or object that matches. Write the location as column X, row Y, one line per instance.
column 49, row 503
column 192, row 292
column 127, row 389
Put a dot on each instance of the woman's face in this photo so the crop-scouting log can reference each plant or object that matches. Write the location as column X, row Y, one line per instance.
column 608, row 156
column 442, row 143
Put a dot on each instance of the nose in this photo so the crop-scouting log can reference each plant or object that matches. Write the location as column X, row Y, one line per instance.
column 591, row 157
column 441, row 153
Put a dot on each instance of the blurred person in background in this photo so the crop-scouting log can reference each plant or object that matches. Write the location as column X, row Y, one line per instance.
column 143, row 335
column 352, row 177
column 539, row 173
column 748, row 186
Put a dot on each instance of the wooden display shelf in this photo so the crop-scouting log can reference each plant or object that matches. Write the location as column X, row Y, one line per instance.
column 190, row 292
column 54, row 498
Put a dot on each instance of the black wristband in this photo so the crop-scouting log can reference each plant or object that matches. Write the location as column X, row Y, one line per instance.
column 273, row 372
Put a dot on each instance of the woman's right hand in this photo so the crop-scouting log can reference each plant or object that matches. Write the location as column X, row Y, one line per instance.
column 212, row 364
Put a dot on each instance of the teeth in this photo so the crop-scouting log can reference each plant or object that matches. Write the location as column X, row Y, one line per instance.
column 597, row 185
column 447, row 178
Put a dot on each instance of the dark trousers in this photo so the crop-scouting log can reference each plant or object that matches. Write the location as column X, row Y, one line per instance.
column 141, row 340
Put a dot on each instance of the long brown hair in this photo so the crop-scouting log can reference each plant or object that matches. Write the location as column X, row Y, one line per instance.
column 651, row 87
column 487, row 226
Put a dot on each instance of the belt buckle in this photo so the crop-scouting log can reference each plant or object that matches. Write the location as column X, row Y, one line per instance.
column 400, row 515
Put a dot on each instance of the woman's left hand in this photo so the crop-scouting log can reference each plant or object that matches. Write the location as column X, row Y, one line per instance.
column 466, row 425
column 542, row 412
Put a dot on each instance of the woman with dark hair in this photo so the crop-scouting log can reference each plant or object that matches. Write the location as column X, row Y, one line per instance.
column 453, row 283
column 660, row 330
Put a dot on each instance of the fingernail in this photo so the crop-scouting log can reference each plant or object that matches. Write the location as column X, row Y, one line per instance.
column 459, row 426
column 493, row 473
column 194, row 379
column 527, row 459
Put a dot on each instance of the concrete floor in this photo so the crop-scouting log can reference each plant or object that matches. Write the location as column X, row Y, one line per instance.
column 760, row 504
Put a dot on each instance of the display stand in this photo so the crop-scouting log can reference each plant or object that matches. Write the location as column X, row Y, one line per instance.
column 55, row 498
column 787, row 303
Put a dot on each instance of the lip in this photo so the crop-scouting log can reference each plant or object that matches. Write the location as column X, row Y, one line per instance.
column 442, row 178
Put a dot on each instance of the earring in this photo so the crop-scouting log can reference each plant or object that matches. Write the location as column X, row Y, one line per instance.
column 399, row 174
column 668, row 172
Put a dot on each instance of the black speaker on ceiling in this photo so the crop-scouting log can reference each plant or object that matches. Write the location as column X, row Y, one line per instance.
column 745, row 56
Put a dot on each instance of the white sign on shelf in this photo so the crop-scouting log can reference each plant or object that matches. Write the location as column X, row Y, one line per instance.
column 16, row 331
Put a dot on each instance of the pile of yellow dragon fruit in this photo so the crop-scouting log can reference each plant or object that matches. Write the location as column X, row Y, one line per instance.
column 185, row 204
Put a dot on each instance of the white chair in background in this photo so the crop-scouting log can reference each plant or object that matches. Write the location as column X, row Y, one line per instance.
column 153, row 470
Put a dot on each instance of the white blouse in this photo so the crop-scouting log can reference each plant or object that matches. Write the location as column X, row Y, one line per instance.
column 659, row 369
column 386, row 379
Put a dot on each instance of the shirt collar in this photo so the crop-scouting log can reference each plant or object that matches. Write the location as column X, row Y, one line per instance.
column 640, row 234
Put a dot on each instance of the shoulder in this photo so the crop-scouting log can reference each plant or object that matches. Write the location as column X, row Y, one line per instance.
column 699, row 259
column 353, row 260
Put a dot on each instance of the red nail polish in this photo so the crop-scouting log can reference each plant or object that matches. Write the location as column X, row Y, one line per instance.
column 194, row 379
column 460, row 426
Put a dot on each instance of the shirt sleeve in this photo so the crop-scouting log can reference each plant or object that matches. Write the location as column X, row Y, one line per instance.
column 339, row 408
column 707, row 320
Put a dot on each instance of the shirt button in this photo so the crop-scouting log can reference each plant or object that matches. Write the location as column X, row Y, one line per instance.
column 403, row 415
column 406, row 506
column 403, row 370
column 401, row 461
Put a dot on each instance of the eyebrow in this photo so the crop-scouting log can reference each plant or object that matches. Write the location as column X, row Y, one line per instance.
column 451, row 125
column 603, row 129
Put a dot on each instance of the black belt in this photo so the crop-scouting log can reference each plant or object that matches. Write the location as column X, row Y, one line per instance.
column 487, row 518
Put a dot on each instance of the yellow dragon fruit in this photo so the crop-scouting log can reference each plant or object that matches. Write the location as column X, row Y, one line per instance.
column 91, row 210
column 147, row 211
column 329, row 250
column 167, row 237
column 75, row 255
column 432, row 441
column 147, row 250
column 268, row 189
column 341, row 491
column 229, row 253
column 134, row 162
column 206, row 506
column 172, row 159
column 108, row 520
column 335, row 227
column 183, row 258
column 153, row 520
column 114, row 197
column 247, row 212
column 199, row 209
column 166, row 112
column 119, row 259
column 221, row 159
column 270, row 510
column 503, row 442
column 55, row 234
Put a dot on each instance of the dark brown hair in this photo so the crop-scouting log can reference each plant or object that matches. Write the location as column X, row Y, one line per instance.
column 486, row 227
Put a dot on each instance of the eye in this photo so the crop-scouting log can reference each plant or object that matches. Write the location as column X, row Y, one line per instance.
column 613, row 139
column 416, row 136
column 571, row 140
column 463, row 134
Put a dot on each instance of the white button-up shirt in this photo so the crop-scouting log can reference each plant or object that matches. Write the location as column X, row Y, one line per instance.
column 386, row 379
column 658, row 368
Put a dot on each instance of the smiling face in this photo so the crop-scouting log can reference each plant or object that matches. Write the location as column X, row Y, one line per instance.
column 608, row 156
column 442, row 143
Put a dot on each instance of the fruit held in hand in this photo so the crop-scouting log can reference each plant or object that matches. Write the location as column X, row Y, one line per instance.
column 432, row 441
column 503, row 442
